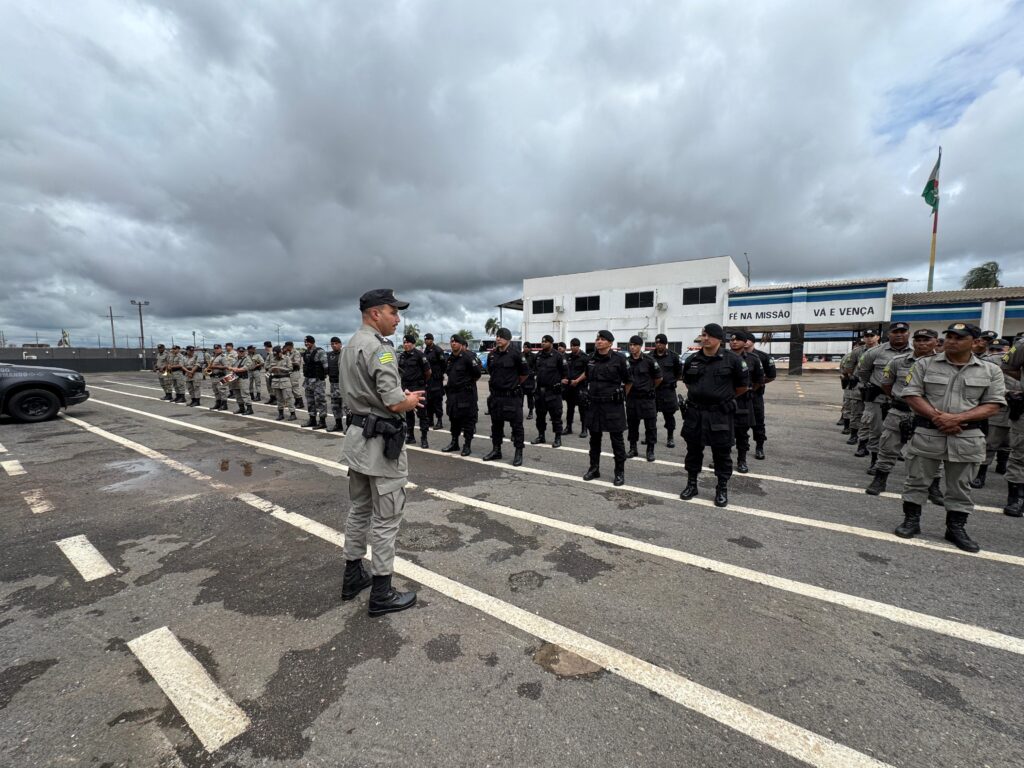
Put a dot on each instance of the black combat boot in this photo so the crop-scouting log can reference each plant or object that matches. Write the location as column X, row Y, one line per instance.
column 179, row 398
column 584, row 432
column 517, row 458
column 632, row 452
column 878, row 484
column 759, row 451
column 1002, row 457
column 356, row 579
column 568, row 429
column 593, row 472
column 337, row 426
column 874, row 460
column 846, row 426
column 440, row 423
column 530, row 414
column 310, row 420
column 190, row 403
column 670, row 443
column 957, row 534
column 322, row 423
column 423, row 439
column 840, row 422
column 722, row 493
column 539, row 439
column 272, row 400
column 452, row 446
column 620, row 474
column 258, row 397
column 935, row 493
column 557, row 442
column 240, row 411
column 852, row 440
column 911, row 525
column 280, row 414
column 1014, row 500
column 494, row 454
column 691, row 488
column 386, row 599
column 168, row 397
column 979, row 479
column 248, row 409
column 862, row 449
column 741, row 462
column 650, row 451
column 197, row 402
column 467, row 447
column 292, row 416
column 299, row 403
column 410, row 437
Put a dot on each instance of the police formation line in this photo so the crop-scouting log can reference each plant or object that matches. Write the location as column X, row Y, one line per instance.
column 945, row 405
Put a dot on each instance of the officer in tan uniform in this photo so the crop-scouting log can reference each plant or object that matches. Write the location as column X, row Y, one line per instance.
column 1013, row 366
column 375, row 451
column 218, row 369
column 951, row 393
column 175, row 363
column 240, row 386
column 194, row 363
column 296, row 376
column 256, row 374
column 997, row 440
column 876, row 402
column 160, row 366
column 279, row 367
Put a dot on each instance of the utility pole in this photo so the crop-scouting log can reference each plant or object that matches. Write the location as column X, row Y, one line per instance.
column 142, row 334
column 748, row 267
column 278, row 334
column 111, row 315
column 193, row 338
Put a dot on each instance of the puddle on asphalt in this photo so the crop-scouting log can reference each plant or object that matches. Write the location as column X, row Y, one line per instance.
column 140, row 473
column 239, row 468
column 565, row 665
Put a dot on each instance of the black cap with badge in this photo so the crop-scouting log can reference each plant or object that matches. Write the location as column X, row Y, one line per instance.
column 548, row 337
column 606, row 335
column 661, row 338
column 458, row 339
column 409, row 338
column 963, row 330
column 926, row 333
column 900, row 326
column 429, row 337
column 638, row 340
column 379, row 297
column 989, row 336
column 869, row 332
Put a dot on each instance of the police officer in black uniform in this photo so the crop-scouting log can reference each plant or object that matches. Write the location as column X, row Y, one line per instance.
column 714, row 377
column 757, row 397
column 575, row 388
column 551, row 372
column 334, row 384
column 530, row 385
column 744, row 417
column 608, row 384
column 415, row 372
column 464, row 371
column 646, row 375
column 507, row 369
column 665, row 398
column 435, row 384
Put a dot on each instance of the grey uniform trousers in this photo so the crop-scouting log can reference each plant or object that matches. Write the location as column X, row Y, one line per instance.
column 165, row 383
column 240, row 389
column 296, row 381
column 890, row 444
column 178, row 382
column 998, row 439
column 336, row 404
column 374, row 518
column 195, row 386
column 871, row 424
column 316, row 397
column 1015, row 466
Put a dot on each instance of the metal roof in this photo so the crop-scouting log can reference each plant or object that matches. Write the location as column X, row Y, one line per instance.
column 822, row 284
column 953, row 297
column 512, row 304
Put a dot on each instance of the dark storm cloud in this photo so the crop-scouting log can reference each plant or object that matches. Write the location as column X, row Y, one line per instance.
column 244, row 165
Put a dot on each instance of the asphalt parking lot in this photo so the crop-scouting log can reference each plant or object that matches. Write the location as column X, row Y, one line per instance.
column 170, row 595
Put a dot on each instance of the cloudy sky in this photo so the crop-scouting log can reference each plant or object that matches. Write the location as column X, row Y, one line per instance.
column 252, row 164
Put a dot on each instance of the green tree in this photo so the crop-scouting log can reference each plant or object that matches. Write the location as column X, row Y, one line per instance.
column 985, row 276
column 467, row 334
column 411, row 329
column 491, row 326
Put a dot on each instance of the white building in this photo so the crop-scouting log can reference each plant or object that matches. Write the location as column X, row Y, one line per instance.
column 677, row 299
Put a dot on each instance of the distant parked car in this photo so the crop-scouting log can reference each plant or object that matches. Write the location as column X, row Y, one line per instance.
column 35, row 393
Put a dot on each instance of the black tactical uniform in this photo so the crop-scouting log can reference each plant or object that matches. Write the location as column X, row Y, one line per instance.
column 745, row 416
column 645, row 373
column 666, row 399
column 711, row 384
column 334, row 384
column 530, row 385
column 435, row 385
column 576, row 397
column 463, row 372
column 607, row 375
column 551, row 369
column 415, row 373
column 770, row 372
column 507, row 371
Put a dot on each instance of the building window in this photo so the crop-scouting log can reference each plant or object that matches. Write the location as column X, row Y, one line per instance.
column 639, row 299
column 588, row 303
column 544, row 307
column 705, row 295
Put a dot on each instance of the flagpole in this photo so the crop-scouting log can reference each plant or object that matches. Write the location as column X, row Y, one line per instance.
column 931, row 263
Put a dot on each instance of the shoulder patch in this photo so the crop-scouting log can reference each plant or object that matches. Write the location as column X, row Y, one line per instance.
column 386, row 356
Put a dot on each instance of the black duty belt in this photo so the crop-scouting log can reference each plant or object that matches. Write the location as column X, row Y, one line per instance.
column 899, row 405
column 514, row 392
column 718, row 407
column 921, row 421
column 359, row 419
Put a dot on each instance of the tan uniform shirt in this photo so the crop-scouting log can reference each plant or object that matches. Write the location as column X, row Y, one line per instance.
column 161, row 361
column 370, row 382
column 953, row 389
column 873, row 361
column 173, row 360
column 896, row 370
column 257, row 361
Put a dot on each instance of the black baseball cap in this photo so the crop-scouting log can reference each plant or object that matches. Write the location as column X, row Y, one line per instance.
column 964, row 329
column 989, row 336
column 661, row 338
column 335, row 339
column 900, row 326
column 379, row 297
column 869, row 332
column 927, row 333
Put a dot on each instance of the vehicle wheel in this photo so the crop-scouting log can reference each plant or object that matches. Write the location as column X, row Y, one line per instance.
column 33, row 405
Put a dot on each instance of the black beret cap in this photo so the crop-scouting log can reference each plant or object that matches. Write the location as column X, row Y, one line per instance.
column 409, row 338
column 276, row 348
column 379, row 297
column 606, row 335
column 268, row 344
column 251, row 346
column 429, row 336
column 964, row 329
column 311, row 339
column 548, row 337
column 715, row 331
column 504, row 333
column 661, row 338
column 335, row 339
column 636, row 340
column 459, row 339
column 926, row 333
column 737, row 336
column 574, row 343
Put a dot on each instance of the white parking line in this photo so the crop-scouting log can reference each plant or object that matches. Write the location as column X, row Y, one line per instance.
column 36, row 501
column 810, row 522
column 88, row 560
column 2, row 449
column 954, row 629
column 13, row 467
column 605, row 454
column 209, row 711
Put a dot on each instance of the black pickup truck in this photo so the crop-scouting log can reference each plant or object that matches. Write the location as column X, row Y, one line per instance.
column 35, row 393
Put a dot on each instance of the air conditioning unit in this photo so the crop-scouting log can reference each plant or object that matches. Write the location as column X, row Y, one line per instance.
column 559, row 309
column 662, row 306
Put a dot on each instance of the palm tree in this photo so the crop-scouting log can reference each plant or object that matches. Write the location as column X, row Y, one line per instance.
column 468, row 335
column 411, row 329
column 491, row 326
column 985, row 276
